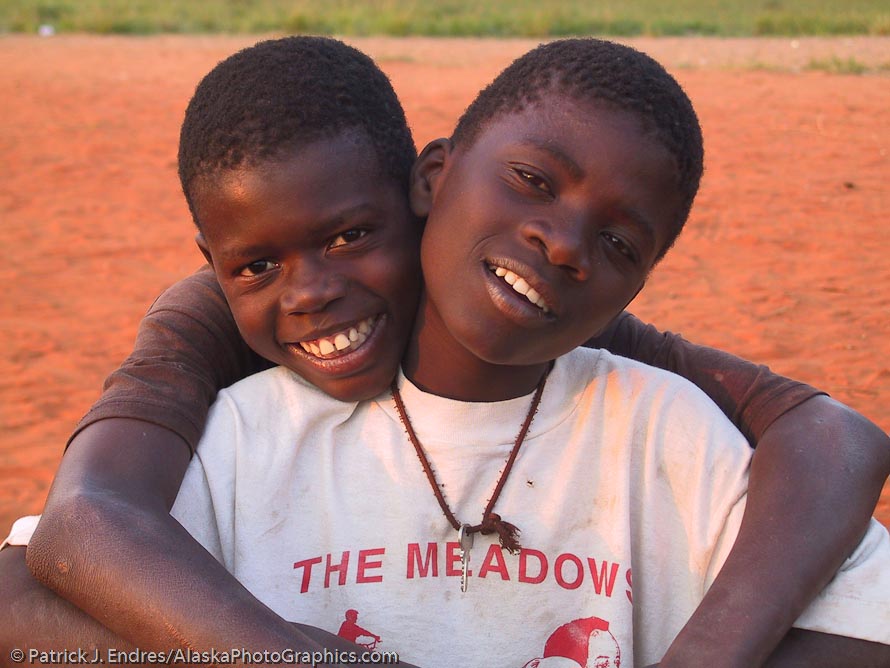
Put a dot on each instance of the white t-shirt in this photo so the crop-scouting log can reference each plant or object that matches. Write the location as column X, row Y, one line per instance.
column 628, row 490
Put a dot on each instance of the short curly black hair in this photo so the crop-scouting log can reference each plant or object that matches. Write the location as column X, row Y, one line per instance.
column 600, row 72
column 278, row 95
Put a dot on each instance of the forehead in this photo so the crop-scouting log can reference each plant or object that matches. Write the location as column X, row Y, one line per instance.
column 591, row 124
column 305, row 186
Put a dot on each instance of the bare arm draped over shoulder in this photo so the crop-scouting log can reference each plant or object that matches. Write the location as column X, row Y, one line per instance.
column 188, row 348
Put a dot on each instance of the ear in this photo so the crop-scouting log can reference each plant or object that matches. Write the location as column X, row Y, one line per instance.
column 203, row 247
column 425, row 175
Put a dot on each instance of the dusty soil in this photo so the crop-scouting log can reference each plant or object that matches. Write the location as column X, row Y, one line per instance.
column 784, row 260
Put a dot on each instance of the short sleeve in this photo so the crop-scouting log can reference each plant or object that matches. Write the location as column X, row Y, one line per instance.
column 188, row 347
column 856, row 603
column 750, row 395
column 22, row 530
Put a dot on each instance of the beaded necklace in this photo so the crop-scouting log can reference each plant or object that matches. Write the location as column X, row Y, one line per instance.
column 491, row 521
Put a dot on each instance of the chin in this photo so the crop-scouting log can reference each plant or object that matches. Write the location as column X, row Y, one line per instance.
column 506, row 355
column 350, row 389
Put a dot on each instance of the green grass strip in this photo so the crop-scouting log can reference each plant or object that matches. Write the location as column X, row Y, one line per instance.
column 520, row 18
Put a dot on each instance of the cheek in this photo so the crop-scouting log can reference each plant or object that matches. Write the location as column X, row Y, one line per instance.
column 256, row 324
column 439, row 253
column 602, row 302
column 407, row 297
column 392, row 281
column 452, row 215
column 404, row 267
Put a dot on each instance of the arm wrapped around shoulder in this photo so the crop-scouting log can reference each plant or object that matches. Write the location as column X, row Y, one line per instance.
column 187, row 349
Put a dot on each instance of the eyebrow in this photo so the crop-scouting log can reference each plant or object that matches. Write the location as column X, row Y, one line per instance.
column 322, row 226
column 561, row 157
column 316, row 228
column 642, row 223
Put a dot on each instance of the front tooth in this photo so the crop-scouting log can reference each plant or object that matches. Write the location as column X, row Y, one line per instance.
column 510, row 277
column 341, row 341
column 315, row 349
column 533, row 296
column 521, row 286
column 500, row 271
column 325, row 346
column 353, row 334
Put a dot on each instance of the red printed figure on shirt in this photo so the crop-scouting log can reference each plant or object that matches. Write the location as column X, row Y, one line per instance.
column 351, row 631
column 582, row 643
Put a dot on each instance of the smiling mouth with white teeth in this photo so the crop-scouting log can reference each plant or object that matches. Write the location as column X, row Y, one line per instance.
column 521, row 286
column 341, row 343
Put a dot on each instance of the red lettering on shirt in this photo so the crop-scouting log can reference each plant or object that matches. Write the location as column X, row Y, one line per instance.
column 452, row 561
column 340, row 569
column 494, row 554
column 629, row 590
column 524, row 574
column 560, row 576
column 365, row 564
column 307, row 565
column 600, row 577
column 424, row 568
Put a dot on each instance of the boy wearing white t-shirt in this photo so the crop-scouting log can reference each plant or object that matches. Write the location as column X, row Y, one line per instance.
column 498, row 507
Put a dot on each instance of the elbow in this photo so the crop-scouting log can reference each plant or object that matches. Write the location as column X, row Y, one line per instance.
column 877, row 443
column 865, row 444
column 823, row 441
column 838, row 434
column 67, row 525
column 78, row 528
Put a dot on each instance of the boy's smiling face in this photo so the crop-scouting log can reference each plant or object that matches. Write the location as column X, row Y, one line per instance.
column 317, row 256
column 541, row 229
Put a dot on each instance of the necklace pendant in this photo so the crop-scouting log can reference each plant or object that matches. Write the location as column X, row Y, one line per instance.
column 465, row 538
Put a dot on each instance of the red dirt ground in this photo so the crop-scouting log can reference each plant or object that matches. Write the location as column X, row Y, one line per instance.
column 784, row 260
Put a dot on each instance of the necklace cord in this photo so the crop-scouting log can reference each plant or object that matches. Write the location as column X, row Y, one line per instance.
column 491, row 522
column 424, row 462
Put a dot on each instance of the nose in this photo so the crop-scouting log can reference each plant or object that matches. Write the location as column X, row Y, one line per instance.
column 564, row 242
column 310, row 288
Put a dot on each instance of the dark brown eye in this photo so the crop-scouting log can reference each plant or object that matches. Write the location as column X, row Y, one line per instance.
column 619, row 245
column 348, row 237
column 533, row 179
column 257, row 268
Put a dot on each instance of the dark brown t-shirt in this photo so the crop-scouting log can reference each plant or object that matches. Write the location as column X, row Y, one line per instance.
column 188, row 348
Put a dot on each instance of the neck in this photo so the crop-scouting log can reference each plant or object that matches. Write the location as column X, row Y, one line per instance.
column 437, row 363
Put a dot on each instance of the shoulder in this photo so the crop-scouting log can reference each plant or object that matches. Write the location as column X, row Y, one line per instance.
column 279, row 400
column 194, row 292
column 633, row 392
column 598, row 368
column 267, row 407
